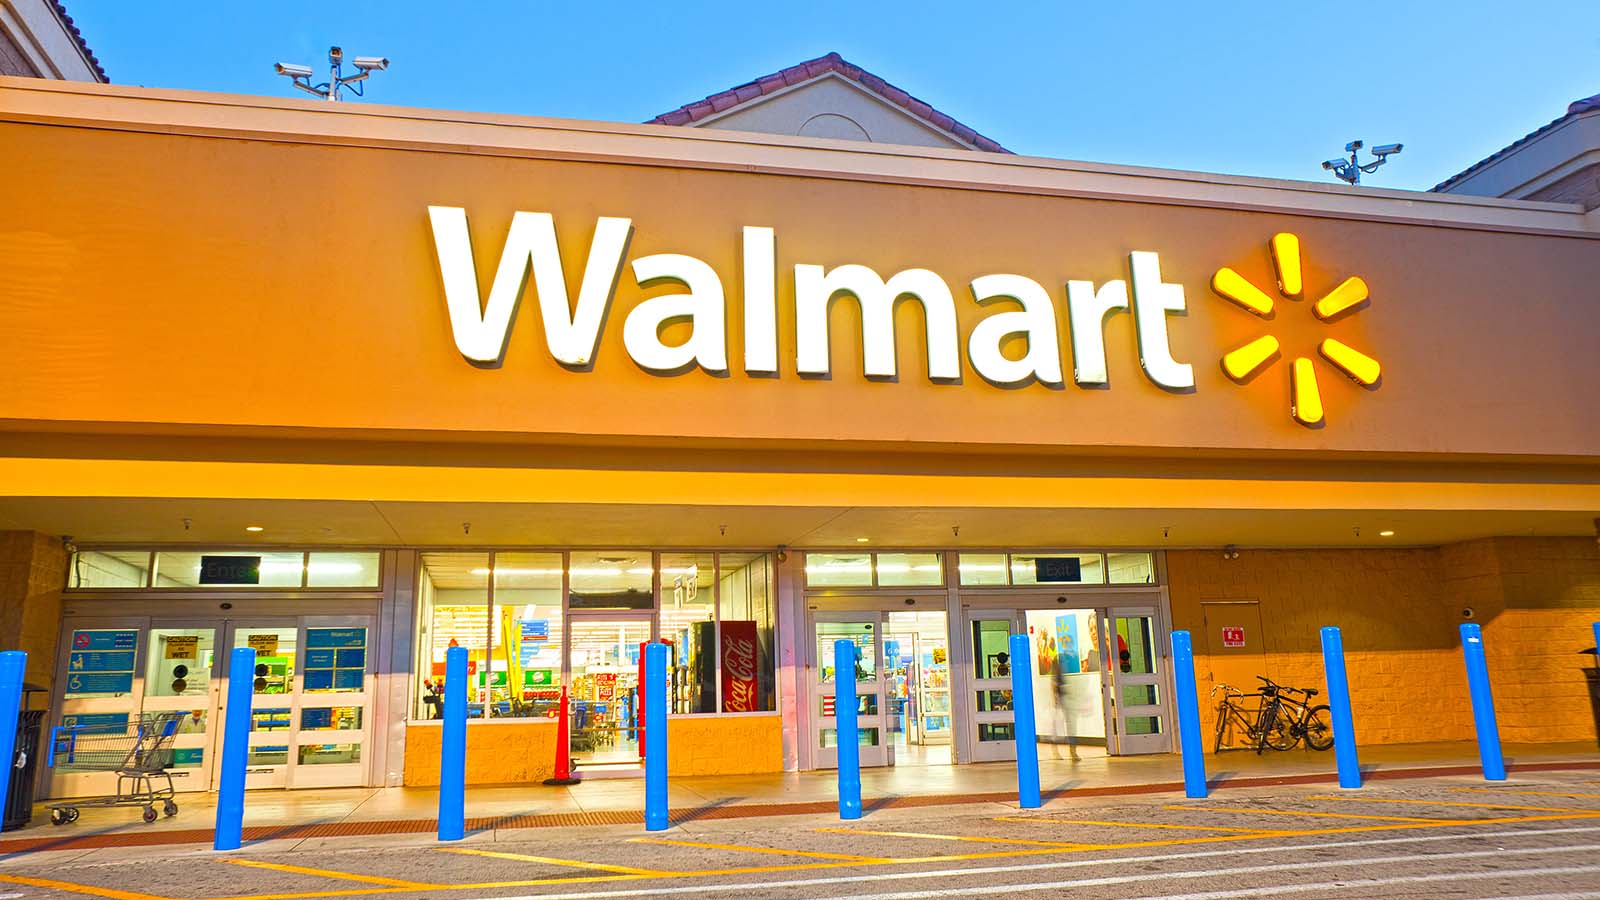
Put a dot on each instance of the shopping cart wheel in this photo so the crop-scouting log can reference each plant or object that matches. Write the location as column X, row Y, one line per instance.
column 170, row 809
column 59, row 817
column 149, row 814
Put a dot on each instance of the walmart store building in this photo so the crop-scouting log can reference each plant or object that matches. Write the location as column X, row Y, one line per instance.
column 353, row 384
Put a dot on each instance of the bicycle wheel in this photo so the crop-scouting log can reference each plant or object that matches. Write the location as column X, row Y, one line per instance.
column 1222, row 728
column 1319, row 728
column 1278, row 732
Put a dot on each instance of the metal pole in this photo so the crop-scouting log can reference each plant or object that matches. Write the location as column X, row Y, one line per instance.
column 235, row 749
column 1194, row 759
column 1024, row 727
column 1344, row 731
column 1494, row 765
column 655, row 759
column 453, row 748
column 846, row 728
column 13, row 668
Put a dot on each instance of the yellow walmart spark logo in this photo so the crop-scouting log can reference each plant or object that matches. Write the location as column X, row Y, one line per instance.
column 1245, row 362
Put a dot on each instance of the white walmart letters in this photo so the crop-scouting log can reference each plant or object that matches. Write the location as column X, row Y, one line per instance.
column 482, row 330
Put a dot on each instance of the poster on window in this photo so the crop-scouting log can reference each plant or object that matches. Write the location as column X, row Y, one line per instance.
column 739, row 656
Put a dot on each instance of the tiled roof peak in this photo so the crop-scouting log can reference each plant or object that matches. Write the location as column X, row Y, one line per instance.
column 814, row 68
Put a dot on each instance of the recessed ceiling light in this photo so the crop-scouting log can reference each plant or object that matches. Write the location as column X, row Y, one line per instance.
column 862, row 540
column 254, row 528
column 1385, row 534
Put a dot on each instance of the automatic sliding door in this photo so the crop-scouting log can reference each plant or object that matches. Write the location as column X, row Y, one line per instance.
column 864, row 630
column 178, row 678
column 1137, row 688
column 993, row 721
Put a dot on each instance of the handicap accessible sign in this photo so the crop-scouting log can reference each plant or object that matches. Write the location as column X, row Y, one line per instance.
column 101, row 662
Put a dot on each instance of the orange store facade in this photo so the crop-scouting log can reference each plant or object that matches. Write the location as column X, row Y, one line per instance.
column 560, row 388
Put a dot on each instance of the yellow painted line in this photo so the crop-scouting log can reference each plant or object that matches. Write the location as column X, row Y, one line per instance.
column 1051, row 819
column 79, row 888
column 745, row 848
column 1452, row 803
column 329, row 873
column 1290, row 812
column 554, row 861
column 954, row 837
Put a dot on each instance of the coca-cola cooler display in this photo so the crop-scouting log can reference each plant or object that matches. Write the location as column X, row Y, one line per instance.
column 741, row 653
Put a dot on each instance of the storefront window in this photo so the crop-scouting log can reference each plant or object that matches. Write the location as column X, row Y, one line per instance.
column 342, row 570
column 1131, row 568
column 839, row 569
column 229, row 569
column 749, row 633
column 1057, row 568
column 109, row 569
column 454, row 604
column 525, row 666
column 611, row 579
column 982, row 569
column 909, row 570
column 688, row 613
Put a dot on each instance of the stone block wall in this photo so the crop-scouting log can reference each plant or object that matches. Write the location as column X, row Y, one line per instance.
column 33, row 570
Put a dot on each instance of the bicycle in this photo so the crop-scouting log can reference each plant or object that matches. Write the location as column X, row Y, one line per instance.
column 1287, row 720
column 1234, row 717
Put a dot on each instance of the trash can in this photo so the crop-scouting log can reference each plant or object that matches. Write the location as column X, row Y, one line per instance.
column 25, row 763
column 1593, row 675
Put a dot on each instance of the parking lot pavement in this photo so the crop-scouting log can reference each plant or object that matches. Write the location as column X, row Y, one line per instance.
column 1440, row 838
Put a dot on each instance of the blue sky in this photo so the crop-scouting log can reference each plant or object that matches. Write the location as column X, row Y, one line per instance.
column 1268, row 89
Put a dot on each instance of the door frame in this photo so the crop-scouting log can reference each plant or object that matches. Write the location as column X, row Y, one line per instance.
column 816, row 690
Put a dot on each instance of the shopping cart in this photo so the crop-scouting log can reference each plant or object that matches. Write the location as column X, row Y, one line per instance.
column 139, row 753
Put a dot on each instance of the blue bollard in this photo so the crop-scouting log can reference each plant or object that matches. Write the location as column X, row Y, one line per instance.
column 1024, row 727
column 13, row 668
column 235, row 749
column 1344, row 729
column 453, row 748
column 1194, row 759
column 1494, row 765
column 846, row 728
column 655, row 735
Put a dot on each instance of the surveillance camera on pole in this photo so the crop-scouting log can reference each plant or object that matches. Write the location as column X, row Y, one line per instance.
column 1349, row 170
column 329, row 90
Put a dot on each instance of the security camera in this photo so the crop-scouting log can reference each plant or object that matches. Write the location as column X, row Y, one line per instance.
column 1332, row 164
column 370, row 63
column 335, row 54
column 1468, row 613
column 292, row 70
column 1385, row 149
column 1353, row 146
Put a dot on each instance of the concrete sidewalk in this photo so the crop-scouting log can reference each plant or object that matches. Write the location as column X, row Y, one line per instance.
column 340, row 812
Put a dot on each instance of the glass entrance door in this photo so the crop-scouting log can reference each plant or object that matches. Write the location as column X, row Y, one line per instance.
column 864, row 629
column 605, row 670
column 178, row 677
column 1135, row 691
column 993, row 722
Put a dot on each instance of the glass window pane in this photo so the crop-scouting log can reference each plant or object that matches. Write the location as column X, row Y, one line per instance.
column 329, row 754
column 866, row 737
column 525, row 664
column 331, row 718
column 1056, row 568
column 229, row 569
column 687, row 609
column 1131, row 568
column 909, row 570
column 453, row 598
column 611, row 579
column 996, row 731
column 1142, row 725
column 982, row 569
column 109, row 569
column 179, row 663
column 343, row 570
column 1135, row 645
column 1139, row 695
column 275, row 651
column 748, row 632
column 859, row 632
column 991, row 648
column 839, row 569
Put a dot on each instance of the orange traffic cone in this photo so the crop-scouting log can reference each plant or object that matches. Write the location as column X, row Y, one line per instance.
column 563, row 747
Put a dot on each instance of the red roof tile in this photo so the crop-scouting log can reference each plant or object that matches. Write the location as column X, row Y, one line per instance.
column 833, row 62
